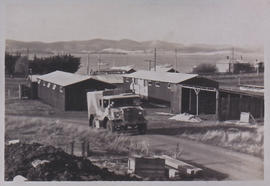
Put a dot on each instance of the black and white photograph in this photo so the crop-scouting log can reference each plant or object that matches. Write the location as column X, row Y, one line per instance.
column 170, row 91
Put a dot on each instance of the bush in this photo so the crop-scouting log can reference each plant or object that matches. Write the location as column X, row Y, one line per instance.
column 10, row 61
column 205, row 69
column 243, row 67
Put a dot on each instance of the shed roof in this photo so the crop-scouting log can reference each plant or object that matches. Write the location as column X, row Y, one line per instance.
column 161, row 76
column 63, row 78
column 109, row 78
column 125, row 68
column 237, row 90
column 163, row 68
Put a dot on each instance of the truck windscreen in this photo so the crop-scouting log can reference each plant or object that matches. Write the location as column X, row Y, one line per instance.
column 125, row 102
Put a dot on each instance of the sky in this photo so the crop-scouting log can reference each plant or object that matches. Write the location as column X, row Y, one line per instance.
column 237, row 22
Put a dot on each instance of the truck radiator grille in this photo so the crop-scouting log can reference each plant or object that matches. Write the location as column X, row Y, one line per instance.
column 131, row 114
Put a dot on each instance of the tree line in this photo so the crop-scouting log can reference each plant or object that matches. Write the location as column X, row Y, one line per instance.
column 43, row 65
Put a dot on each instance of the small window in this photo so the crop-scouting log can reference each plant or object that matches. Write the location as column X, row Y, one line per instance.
column 48, row 85
column 61, row 89
column 105, row 103
column 157, row 84
column 54, row 87
column 39, row 81
column 145, row 83
column 169, row 85
column 149, row 83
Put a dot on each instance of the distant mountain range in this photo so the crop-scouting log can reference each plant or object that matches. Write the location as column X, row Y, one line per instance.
column 125, row 45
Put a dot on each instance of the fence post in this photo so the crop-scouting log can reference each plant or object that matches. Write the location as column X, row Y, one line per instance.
column 20, row 91
column 87, row 149
column 83, row 149
column 72, row 148
column 8, row 93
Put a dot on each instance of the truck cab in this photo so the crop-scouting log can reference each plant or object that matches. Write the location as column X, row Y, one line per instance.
column 116, row 112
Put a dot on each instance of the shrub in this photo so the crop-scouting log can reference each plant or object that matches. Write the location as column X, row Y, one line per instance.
column 205, row 69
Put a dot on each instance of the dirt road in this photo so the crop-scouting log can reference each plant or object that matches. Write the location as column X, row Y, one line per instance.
column 229, row 164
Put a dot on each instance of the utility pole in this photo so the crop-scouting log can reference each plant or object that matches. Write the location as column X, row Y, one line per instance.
column 27, row 66
column 88, row 64
column 233, row 55
column 155, row 59
column 231, row 61
column 99, row 62
column 113, row 59
column 176, row 59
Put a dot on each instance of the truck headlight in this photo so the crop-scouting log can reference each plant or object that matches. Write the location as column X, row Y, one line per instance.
column 117, row 114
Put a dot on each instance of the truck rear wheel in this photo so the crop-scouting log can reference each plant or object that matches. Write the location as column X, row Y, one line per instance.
column 110, row 126
column 142, row 128
column 91, row 121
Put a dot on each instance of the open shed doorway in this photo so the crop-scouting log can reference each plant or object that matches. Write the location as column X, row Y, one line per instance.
column 206, row 101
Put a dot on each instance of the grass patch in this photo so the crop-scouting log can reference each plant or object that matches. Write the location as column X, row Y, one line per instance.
column 250, row 142
column 60, row 134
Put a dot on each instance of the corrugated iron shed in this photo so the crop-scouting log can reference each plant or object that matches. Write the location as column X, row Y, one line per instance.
column 63, row 78
column 67, row 91
column 161, row 76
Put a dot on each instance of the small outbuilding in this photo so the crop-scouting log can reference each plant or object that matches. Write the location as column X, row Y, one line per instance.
column 33, row 86
column 67, row 91
column 165, row 68
column 126, row 69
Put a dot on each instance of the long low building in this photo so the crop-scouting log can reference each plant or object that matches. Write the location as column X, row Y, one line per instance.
column 67, row 91
column 235, row 100
column 182, row 92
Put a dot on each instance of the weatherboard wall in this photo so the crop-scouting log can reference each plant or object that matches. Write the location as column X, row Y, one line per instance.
column 55, row 98
column 72, row 97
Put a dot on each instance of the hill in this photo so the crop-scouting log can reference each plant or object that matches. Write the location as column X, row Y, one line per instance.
column 96, row 45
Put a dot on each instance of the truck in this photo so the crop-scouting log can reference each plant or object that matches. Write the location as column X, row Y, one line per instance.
column 116, row 112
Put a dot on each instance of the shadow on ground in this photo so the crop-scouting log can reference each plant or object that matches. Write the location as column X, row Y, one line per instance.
column 195, row 129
